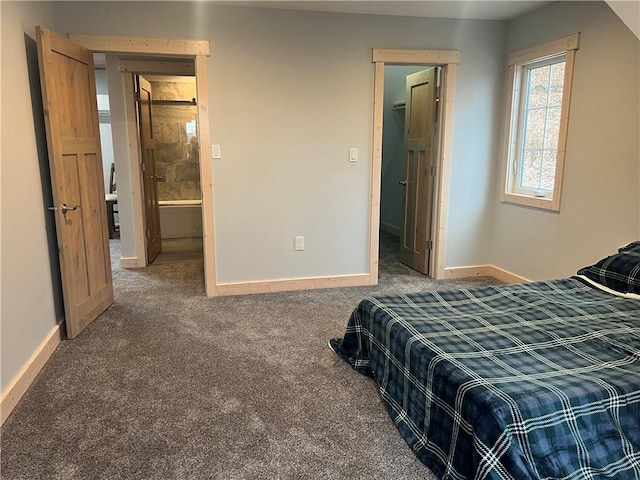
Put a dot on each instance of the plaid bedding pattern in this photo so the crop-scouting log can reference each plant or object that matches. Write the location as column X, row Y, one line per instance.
column 526, row 381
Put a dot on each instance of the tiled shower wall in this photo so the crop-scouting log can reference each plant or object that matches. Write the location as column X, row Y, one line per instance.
column 176, row 146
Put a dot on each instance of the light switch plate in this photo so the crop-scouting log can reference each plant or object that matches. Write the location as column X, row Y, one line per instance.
column 353, row 154
column 215, row 151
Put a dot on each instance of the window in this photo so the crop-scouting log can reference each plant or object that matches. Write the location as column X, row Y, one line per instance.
column 537, row 116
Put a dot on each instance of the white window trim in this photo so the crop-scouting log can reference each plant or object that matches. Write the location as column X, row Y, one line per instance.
column 568, row 46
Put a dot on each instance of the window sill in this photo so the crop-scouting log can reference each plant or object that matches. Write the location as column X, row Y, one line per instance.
column 535, row 202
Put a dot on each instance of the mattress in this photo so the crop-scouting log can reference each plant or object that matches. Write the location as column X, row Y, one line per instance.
column 528, row 381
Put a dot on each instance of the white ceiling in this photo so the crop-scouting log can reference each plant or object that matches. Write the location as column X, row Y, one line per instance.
column 470, row 9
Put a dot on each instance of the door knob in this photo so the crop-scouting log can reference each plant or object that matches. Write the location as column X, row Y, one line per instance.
column 64, row 208
column 402, row 182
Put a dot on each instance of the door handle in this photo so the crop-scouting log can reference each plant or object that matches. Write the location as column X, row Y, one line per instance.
column 403, row 182
column 64, row 208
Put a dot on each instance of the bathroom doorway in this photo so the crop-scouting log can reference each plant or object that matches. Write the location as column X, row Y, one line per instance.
column 162, row 122
column 175, row 170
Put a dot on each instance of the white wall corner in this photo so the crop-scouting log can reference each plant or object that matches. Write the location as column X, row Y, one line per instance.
column 498, row 273
column 392, row 229
column 629, row 13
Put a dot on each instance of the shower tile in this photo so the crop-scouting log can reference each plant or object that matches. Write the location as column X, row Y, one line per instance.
column 169, row 191
column 187, row 172
column 171, row 133
column 190, row 191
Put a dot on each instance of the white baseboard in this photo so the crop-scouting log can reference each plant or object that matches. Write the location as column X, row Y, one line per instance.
column 484, row 271
column 17, row 388
column 311, row 283
column 507, row 276
column 130, row 262
column 392, row 229
column 284, row 285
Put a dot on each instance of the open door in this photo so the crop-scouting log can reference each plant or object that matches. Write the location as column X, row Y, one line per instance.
column 420, row 129
column 148, row 167
column 73, row 142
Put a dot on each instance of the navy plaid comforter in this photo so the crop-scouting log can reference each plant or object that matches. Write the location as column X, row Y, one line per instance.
column 527, row 381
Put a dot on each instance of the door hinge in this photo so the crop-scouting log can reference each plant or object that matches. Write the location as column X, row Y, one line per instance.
column 137, row 96
column 142, row 167
column 438, row 94
column 433, row 170
column 148, row 233
column 429, row 244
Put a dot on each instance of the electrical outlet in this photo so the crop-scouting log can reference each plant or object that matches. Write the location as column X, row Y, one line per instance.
column 298, row 243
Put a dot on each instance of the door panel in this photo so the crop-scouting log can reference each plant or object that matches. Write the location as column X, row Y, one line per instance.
column 420, row 120
column 73, row 141
column 150, row 179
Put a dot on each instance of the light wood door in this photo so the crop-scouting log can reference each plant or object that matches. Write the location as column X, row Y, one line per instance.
column 420, row 120
column 150, row 177
column 73, row 141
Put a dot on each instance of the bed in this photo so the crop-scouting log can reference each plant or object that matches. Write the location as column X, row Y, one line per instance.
column 528, row 381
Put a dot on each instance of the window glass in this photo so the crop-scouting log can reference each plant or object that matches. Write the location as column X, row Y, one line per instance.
column 540, row 84
column 541, row 106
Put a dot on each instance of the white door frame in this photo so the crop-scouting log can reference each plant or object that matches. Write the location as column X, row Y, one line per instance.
column 198, row 50
column 448, row 60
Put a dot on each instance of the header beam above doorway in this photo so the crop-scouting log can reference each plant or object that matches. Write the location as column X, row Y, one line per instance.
column 391, row 56
column 156, row 46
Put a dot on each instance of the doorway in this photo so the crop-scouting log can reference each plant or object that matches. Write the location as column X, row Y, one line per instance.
column 154, row 56
column 448, row 61
column 168, row 151
column 174, row 127
column 407, row 179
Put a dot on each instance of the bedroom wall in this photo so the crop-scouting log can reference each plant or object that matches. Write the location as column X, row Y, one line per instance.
column 31, row 300
column 290, row 93
column 106, row 145
column 600, row 205
column 393, row 168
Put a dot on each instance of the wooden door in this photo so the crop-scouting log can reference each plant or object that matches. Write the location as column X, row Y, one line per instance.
column 73, row 141
column 420, row 120
column 150, row 178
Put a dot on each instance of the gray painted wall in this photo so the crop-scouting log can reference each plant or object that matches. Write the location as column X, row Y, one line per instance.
column 600, row 207
column 291, row 92
column 106, row 144
column 31, row 300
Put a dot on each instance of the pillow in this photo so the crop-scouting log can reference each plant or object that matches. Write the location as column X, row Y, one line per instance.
column 619, row 272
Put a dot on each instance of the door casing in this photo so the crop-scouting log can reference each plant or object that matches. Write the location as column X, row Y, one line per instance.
column 448, row 60
column 198, row 51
